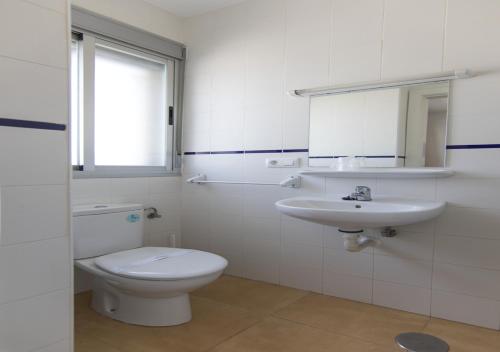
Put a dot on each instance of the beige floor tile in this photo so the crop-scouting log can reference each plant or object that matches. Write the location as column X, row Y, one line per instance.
column 85, row 344
column 232, row 315
column 363, row 321
column 255, row 296
column 212, row 323
column 464, row 338
column 275, row 335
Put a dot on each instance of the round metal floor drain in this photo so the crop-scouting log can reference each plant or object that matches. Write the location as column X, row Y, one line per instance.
column 418, row 342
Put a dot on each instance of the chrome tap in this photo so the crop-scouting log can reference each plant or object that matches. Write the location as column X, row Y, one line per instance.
column 361, row 193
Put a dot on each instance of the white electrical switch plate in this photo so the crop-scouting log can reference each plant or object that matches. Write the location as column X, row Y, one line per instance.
column 282, row 162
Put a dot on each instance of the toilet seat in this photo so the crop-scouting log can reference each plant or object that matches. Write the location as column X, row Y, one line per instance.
column 160, row 263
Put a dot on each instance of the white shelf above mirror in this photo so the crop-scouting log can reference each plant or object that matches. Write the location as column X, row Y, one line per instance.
column 382, row 172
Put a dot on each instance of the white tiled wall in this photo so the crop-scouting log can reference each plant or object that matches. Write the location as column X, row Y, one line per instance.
column 35, row 251
column 241, row 61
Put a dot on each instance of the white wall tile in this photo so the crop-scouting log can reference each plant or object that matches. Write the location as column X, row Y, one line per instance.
column 35, row 250
column 196, row 132
column 301, row 255
column 299, row 231
column 47, row 46
column 259, row 201
column 408, row 245
column 475, row 23
column 413, row 37
column 426, row 227
column 226, row 129
column 295, row 123
column 403, row 297
column 467, row 309
column 261, row 229
column 33, row 92
column 403, row 271
column 347, row 286
column 129, row 190
column 226, row 168
column 474, row 163
column 407, row 188
column 307, row 56
column 470, row 192
column 342, row 262
column 472, row 102
column 33, row 269
column 301, row 267
column 229, row 69
column 471, row 222
column 260, row 260
column 263, row 127
column 33, row 157
column 357, row 40
column 482, row 253
column 309, row 279
column 466, row 280
column 56, row 5
column 265, row 59
column 226, row 240
column 164, row 185
column 23, row 324
column 228, row 201
column 33, row 213
column 88, row 191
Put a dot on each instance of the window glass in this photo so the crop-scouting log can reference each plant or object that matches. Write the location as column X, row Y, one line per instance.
column 130, row 109
column 76, row 128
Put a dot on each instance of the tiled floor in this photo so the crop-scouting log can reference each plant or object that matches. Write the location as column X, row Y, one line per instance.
column 238, row 315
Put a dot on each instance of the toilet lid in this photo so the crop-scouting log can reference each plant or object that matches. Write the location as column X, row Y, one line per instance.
column 160, row 263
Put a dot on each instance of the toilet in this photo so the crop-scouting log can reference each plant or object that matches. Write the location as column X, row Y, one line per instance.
column 138, row 285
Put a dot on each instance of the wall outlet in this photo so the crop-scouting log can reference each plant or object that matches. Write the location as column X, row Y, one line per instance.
column 282, row 162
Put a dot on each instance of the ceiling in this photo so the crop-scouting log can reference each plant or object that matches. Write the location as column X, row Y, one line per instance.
column 188, row 8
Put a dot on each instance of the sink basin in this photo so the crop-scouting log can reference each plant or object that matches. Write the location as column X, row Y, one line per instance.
column 356, row 215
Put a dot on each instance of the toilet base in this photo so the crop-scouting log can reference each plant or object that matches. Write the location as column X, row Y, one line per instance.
column 147, row 311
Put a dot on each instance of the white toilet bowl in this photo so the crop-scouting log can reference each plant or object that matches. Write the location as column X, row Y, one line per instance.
column 150, row 285
column 134, row 284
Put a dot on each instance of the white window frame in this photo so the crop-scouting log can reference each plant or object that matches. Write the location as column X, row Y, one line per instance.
column 86, row 47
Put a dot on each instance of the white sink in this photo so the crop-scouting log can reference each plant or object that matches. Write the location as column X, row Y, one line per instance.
column 356, row 215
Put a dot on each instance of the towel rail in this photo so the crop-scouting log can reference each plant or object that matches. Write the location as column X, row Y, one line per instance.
column 291, row 181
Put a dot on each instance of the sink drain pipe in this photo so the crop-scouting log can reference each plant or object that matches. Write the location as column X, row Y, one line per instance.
column 354, row 241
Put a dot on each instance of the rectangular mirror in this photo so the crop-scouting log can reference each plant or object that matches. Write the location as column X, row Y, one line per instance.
column 387, row 127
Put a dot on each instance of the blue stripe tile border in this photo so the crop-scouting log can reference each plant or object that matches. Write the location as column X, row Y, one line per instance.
column 262, row 151
column 359, row 156
column 473, row 146
column 277, row 151
column 32, row 124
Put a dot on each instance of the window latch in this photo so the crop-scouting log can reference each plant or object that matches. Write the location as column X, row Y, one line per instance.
column 170, row 115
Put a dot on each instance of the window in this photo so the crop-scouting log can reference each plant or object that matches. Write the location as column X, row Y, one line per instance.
column 122, row 110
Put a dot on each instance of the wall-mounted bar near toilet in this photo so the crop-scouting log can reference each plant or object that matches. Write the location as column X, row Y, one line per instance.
column 346, row 88
column 291, row 181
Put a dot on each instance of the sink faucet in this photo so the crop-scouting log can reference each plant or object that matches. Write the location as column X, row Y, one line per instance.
column 361, row 193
